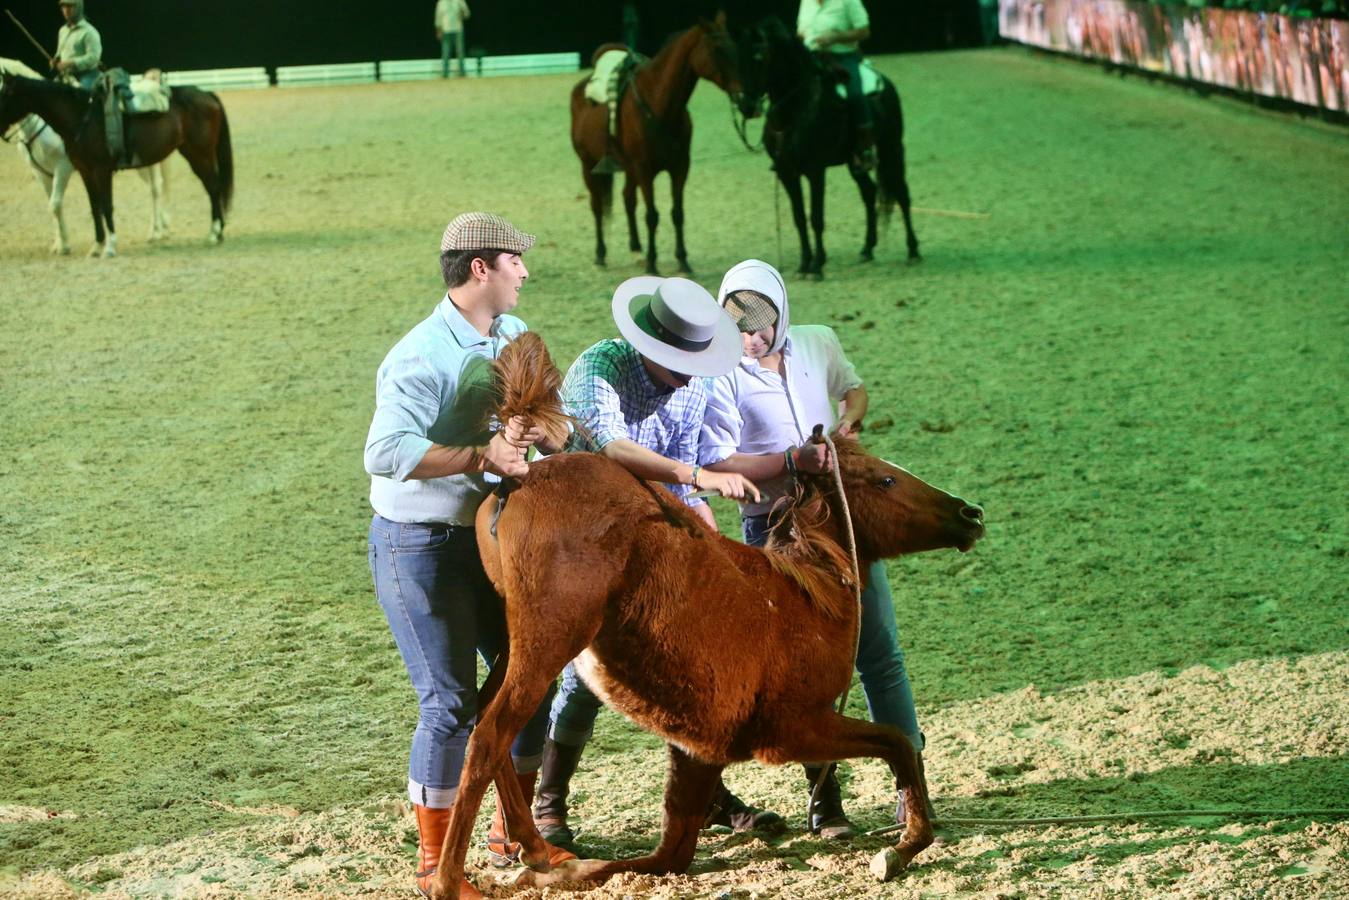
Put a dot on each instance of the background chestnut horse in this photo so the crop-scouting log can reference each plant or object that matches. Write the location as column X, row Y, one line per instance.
column 589, row 558
column 654, row 131
column 195, row 126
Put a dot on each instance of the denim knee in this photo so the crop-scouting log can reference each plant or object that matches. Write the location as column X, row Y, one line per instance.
column 575, row 708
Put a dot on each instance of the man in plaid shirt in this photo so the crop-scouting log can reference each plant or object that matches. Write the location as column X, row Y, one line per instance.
column 640, row 400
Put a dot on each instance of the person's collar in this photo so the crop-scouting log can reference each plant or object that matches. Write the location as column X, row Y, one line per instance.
column 461, row 328
column 651, row 385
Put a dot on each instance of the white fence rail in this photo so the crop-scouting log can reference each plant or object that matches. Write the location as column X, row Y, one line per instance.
column 394, row 70
column 220, row 79
column 335, row 73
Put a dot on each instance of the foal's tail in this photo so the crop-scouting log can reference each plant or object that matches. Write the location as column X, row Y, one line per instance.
column 224, row 158
column 894, row 188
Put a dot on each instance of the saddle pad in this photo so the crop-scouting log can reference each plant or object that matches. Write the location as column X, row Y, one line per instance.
column 147, row 96
column 871, row 81
column 597, row 88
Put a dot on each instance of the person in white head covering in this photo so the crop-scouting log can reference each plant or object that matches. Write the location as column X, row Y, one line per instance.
column 640, row 400
column 759, row 416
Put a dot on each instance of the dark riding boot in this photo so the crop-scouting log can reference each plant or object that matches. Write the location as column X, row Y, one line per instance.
column 550, row 806
column 431, row 827
column 827, row 818
column 899, row 788
column 864, row 147
column 505, row 852
column 729, row 810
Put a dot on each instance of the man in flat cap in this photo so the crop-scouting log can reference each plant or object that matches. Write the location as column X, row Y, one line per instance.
column 431, row 461
column 79, row 49
column 640, row 400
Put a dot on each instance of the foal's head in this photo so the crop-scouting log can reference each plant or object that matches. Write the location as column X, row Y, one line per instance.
column 893, row 512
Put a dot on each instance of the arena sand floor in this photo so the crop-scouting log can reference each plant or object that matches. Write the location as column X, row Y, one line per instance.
column 1136, row 361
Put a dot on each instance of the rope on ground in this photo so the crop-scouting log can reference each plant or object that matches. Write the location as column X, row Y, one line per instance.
column 1127, row 816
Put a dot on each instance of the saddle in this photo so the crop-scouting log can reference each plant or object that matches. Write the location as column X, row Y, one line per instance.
column 123, row 95
column 614, row 68
column 872, row 82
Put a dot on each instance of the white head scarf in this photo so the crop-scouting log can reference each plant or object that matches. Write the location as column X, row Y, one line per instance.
column 757, row 275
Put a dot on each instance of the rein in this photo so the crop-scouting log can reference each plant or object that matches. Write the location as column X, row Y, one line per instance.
column 28, row 141
column 857, row 595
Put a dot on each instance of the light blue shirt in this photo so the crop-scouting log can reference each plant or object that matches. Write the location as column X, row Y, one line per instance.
column 433, row 387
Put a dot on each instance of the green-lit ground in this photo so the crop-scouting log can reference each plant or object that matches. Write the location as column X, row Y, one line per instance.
column 1136, row 362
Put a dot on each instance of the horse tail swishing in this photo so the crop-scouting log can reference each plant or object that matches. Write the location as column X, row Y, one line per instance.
column 890, row 166
column 224, row 158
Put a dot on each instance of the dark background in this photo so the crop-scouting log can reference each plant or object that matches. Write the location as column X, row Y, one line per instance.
column 198, row 34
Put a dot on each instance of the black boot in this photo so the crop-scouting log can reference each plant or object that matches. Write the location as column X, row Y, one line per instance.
column 550, row 802
column 900, row 816
column 864, row 147
column 826, row 813
column 729, row 810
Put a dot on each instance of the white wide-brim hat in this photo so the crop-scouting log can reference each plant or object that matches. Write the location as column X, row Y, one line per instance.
column 676, row 323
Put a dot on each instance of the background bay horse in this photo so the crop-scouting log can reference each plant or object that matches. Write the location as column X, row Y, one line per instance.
column 45, row 153
column 589, row 558
column 809, row 129
column 654, row 131
column 195, row 126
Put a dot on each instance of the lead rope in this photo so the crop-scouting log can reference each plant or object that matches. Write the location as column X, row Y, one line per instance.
column 857, row 595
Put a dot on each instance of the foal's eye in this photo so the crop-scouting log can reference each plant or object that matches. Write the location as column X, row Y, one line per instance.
column 888, row 481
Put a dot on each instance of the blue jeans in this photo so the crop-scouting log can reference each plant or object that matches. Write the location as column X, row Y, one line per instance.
column 880, row 662
column 441, row 609
column 451, row 41
column 571, row 720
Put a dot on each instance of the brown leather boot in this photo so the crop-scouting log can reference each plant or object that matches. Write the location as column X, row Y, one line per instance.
column 729, row 810
column 550, row 806
column 503, row 851
column 827, row 818
column 431, row 827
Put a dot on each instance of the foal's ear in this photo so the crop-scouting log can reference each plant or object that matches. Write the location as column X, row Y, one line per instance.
column 817, row 434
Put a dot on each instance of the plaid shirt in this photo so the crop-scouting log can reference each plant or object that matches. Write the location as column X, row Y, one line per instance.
column 611, row 394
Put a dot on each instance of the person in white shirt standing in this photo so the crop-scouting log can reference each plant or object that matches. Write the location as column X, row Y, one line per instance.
column 757, row 423
column 836, row 27
column 450, row 17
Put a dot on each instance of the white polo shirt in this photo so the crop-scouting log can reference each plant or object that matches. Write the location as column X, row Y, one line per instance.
column 752, row 410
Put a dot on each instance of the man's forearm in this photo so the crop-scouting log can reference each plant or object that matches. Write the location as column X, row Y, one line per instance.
column 755, row 467
column 441, row 460
column 855, row 405
column 647, row 464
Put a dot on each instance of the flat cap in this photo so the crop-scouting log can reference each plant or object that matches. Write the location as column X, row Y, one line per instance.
column 484, row 231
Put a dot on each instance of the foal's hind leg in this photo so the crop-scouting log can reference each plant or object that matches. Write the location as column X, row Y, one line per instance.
column 688, row 792
column 868, row 189
column 829, row 736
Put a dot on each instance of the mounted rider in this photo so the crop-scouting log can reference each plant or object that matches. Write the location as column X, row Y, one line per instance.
column 833, row 29
column 79, row 49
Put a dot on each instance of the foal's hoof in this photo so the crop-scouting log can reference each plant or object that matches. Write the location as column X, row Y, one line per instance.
column 887, row 864
column 571, row 870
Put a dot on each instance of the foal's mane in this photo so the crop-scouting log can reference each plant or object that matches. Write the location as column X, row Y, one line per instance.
column 801, row 547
